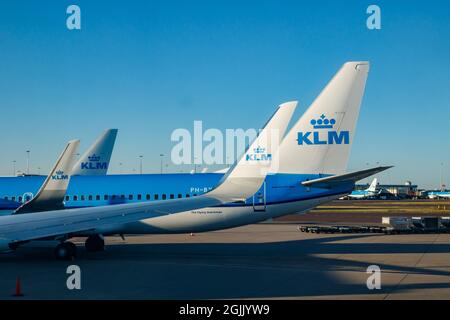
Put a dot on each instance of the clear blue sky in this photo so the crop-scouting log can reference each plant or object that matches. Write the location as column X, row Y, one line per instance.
column 148, row 67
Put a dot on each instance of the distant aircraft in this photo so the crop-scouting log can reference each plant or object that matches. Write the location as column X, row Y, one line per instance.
column 15, row 191
column 367, row 193
column 439, row 194
column 310, row 169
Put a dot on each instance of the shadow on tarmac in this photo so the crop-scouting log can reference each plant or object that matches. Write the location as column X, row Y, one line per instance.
column 230, row 270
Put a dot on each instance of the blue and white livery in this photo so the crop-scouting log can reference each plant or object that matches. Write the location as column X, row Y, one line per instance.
column 439, row 194
column 367, row 193
column 95, row 161
column 240, row 182
column 308, row 169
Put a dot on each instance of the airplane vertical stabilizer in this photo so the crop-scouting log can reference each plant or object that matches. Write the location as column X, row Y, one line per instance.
column 95, row 161
column 260, row 158
column 52, row 192
column 373, row 186
column 320, row 142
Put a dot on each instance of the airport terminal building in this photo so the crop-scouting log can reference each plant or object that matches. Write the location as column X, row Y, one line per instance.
column 406, row 190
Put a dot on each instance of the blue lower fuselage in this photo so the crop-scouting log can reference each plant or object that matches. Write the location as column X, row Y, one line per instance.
column 88, row 191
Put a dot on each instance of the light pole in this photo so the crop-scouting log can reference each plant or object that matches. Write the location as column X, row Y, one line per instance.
column 39, row 170
column 120, row 167
column 14, row 167
column 441, row 178
column 368, row 178
column 28, row 162
column 162, row 156
column 140, row 164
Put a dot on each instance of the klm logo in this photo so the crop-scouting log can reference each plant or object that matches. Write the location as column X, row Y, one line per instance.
column 59, row 175
column 259, row 154
column 94, row 163
column 321, row 137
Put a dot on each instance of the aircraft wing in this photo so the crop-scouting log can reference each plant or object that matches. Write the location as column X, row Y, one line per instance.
column 50, row 224
column 51, row 194
column 331, row 181
column 241, row 182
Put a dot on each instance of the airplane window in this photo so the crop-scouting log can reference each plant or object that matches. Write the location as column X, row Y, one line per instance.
column 6, row 198
column 172, row 196
column 130, row 197
column 105, row 197
column 122, row 197
column 164, row 197
column 75, row 198
column 188, row 195
column 139, row 197
column 156, row 197
column 148, row 197
column 114, row 196
column 180, row 196
column 83, row 198
column 20, row 199
column 13, row 198
column 97, row 197
column 194, row 195
column 67, row 198
column 90, row 198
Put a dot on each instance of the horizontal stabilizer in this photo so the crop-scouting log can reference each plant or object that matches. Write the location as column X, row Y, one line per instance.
column 330, row 182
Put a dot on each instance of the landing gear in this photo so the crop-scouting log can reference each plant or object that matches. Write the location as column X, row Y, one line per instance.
column 65, row 251
column 95, row 243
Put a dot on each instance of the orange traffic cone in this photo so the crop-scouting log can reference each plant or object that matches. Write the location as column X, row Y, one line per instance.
column 18, row 288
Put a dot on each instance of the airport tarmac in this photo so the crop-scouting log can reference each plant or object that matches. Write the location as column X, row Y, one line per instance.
column 263, row 261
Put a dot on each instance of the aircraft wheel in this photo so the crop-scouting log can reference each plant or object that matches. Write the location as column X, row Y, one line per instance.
column 65, row 251
column 95, row 243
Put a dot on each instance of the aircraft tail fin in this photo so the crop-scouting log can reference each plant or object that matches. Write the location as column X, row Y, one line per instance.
column 321, row 140
column 247, row 175
column 52, row 192
column 373, row 186
column 95, row 161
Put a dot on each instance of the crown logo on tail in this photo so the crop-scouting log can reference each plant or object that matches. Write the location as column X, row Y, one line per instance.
column 94, row 158
column 259, row 150
column 323, row 122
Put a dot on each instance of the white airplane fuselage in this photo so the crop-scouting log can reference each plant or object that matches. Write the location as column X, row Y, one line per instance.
column 215, row 218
